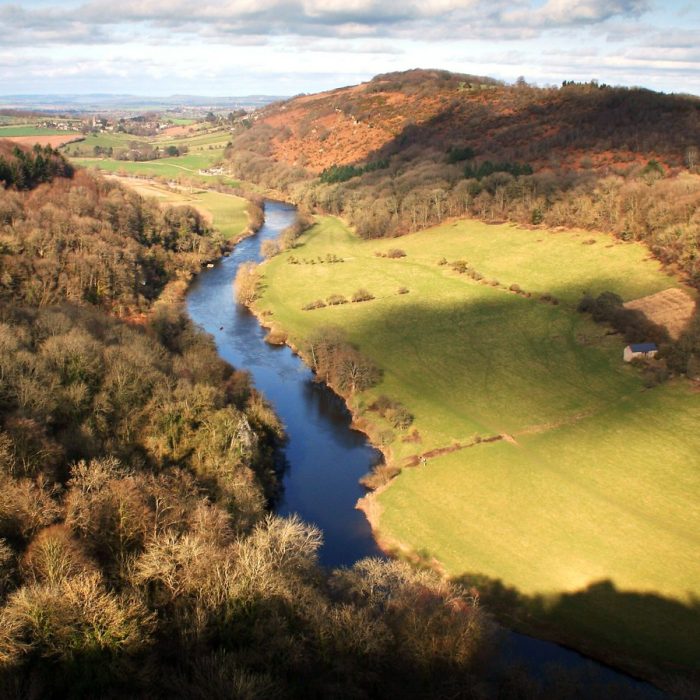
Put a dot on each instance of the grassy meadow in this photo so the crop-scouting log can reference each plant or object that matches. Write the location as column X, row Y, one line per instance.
column 584, row 522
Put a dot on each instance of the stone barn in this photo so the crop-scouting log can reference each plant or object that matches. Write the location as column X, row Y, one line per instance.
column 640, row 350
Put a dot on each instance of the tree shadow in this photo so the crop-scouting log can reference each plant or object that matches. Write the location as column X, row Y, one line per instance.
column 646, row 634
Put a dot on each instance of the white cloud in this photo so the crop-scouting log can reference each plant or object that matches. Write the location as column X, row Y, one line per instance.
column 305, row 45
column 417, row 19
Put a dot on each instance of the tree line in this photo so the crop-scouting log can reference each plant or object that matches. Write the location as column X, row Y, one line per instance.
column 24, row 169
column 87, row 239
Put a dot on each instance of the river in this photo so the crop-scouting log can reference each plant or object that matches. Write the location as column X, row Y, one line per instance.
column 324, row 456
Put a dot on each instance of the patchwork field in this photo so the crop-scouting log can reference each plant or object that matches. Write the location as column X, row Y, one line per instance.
column 205, row 147
column 582, row 521
column 28, row 135
column 184, row 166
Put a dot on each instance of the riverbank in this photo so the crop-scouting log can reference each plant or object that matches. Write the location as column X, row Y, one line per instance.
column 511, row 616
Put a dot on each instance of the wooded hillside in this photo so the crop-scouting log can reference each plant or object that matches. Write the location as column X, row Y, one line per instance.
column 406, row 151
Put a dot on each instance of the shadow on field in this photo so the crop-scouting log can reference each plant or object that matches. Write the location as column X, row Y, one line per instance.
column 505, row 360
column 615, row 626
column 502, row 358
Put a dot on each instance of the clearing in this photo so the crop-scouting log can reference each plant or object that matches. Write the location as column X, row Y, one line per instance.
column 227, row 212
column 584, row 524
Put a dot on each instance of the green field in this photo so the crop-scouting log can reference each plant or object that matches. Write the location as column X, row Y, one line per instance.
column 225, row 211
column 584, row 523
column 196, row 140
column 182, row 121
column 30, row 130
column 182, row 166
column 106, row 140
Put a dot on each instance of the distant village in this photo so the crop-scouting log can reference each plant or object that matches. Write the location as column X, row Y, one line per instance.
column 148, row 125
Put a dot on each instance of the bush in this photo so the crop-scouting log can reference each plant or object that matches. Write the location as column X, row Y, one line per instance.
column 268, row 249
column 395, row 253
column 246, row 283
column 456, row 154
column 442, row 261
column 403, row 290
column 380, row 475
column 362, row 295
column 386, row 437
column 399, row 416
column 515, row 288
column 393, row 411
column 276, row 337
column 318, row 304
column 336, row 299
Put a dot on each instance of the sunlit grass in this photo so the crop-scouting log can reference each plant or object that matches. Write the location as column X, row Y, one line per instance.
column 599, row 480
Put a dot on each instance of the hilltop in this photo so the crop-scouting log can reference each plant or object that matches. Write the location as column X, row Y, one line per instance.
column 576, row 126
column 406, row 151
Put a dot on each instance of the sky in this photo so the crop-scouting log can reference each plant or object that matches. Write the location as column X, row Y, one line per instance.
column 286, row 47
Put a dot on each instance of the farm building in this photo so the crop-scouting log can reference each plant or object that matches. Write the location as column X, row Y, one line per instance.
column 638, row 350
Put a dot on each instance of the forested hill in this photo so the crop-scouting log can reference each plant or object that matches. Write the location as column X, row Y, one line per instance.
column 575, row 126
column 407, row 150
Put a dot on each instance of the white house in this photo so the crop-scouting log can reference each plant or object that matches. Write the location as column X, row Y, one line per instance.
column 637, row 350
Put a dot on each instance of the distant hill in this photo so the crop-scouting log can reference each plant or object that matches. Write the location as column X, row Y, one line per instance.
column 405, row 151
column 48, row 104
column 575, row 126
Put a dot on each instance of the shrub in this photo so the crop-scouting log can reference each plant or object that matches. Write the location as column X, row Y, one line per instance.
column 246, row 283
column 395, row 253
column 515, row 288
column 336, row 299
column 362, row 295
column 268, row 249
column 393, row 411
column 442, row 261
column 276, row 337
column 318, row 304
column 537, row 216
column 456, row 154
column 403, row 290
column 380, row 475
column 386, row 437
column 399, row 416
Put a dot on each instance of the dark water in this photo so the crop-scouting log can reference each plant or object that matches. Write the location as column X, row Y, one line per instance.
column 325, row 458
